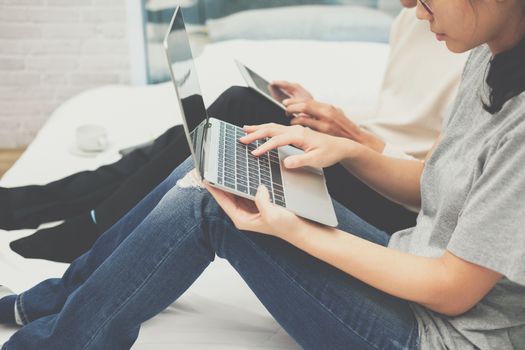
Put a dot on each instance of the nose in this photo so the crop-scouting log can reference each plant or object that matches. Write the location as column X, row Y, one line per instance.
column 422, row 13
column 408, row 3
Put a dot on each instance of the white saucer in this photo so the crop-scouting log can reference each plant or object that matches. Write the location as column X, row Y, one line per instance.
column 73, row 149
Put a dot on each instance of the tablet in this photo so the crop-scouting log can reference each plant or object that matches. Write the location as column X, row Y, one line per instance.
column 262, row 86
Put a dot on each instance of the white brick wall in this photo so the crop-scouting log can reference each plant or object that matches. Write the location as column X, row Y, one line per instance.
column 51, row 50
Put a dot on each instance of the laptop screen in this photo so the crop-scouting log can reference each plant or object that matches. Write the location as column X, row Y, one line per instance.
column 184, row 76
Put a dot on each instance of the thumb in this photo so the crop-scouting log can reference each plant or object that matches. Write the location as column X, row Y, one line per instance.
column 298, row 161
column 283, row 84
column 292, row 101
column 262, row 200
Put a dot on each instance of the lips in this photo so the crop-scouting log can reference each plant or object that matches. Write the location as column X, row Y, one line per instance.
column 439, row 36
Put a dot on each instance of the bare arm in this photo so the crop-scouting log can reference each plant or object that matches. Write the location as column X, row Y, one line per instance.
column 324, row 117
column 397, row 179
column 394, row 178
column 436, row 283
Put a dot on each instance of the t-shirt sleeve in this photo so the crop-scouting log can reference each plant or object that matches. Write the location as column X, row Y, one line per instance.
column 491, row 227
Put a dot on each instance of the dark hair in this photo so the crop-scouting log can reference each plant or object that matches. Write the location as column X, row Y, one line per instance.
column 506, row 77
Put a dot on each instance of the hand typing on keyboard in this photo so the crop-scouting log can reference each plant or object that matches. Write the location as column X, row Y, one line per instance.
column 240, row 170
column 320, row 150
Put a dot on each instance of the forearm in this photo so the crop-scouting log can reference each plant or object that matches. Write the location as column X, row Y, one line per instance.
column 418, row 279
column 368, row 139
column 394, row 178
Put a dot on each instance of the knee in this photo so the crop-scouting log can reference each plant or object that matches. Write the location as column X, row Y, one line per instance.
column 235, row 93
column 191, row 202
column 194, row 209
column 179, row 172
column 233, row 104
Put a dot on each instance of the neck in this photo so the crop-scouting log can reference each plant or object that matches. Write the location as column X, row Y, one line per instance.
column 509, row 37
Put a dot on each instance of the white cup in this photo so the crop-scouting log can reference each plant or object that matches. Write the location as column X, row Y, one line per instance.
column 91, row 138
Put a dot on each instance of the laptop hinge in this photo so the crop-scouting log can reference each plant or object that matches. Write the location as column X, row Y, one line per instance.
column 203, row 145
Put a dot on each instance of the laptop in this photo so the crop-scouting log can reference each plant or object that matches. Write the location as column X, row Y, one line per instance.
column 224, row 161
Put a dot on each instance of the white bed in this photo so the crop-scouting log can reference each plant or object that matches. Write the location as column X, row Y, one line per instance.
column 219, row 311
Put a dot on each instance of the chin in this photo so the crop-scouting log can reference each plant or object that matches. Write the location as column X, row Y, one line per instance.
column 455, row 47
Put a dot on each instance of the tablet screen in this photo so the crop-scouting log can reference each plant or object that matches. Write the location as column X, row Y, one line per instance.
column 264, row 86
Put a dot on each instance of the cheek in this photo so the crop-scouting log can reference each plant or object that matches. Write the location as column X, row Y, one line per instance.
column 479, row 23
column 460, row 26
column 467, row 35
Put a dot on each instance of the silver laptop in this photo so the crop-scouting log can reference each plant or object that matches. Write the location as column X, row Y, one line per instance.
column 224, row 161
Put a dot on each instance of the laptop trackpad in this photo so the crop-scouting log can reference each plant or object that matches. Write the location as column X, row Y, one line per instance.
column 307, row 195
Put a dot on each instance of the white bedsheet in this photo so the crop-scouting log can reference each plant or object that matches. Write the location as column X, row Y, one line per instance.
column 219, row 311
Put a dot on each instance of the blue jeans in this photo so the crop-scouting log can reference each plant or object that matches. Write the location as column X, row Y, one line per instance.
column 150, row 257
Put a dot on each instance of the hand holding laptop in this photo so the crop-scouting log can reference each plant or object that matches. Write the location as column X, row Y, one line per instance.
column 259, row 215
column 222, row 160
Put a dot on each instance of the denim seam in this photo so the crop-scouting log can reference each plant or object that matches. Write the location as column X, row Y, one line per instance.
column 21, row 309
column 138, row 289
column 416, row 331
column 271, row 261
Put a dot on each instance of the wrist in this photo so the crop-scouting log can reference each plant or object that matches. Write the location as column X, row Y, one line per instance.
column 309, row 236
column 370, row 140
column 299, row 234
column 288, row 227
column 350, row 150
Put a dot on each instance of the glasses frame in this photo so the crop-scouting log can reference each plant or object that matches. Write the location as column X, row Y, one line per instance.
column 426, row 6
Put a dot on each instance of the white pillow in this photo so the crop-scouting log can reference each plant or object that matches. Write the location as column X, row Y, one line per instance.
column 316, row 22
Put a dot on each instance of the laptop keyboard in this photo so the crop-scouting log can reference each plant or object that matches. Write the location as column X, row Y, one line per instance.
column 240, row 170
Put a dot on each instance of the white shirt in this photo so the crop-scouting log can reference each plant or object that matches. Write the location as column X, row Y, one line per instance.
column 420, row 83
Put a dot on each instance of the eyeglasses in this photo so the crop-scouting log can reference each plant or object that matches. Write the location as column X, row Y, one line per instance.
column 426, row 6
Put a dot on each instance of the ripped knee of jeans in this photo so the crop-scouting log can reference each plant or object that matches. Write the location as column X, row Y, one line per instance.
column 191, row 180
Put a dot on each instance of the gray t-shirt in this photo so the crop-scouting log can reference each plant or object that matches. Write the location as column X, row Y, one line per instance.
column 473, row 205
